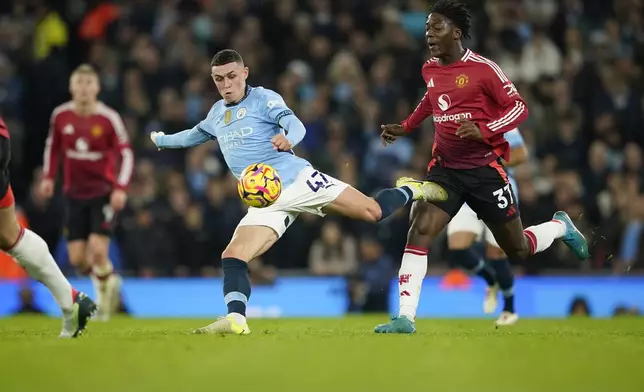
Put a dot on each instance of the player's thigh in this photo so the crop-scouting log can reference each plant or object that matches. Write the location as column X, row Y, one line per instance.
column 258, row 230
column 354, row 204
column 77, row 220
column 9, row 227
column 102, row 217
column 464, row 229
column 491, row 196
column 249, row 242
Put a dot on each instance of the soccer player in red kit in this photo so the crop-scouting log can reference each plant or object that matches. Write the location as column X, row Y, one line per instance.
column 90, row 139
column 32, row 253
column 473, row 104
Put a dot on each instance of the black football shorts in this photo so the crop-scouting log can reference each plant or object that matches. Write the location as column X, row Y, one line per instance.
column 486, row 190
column 89, row 216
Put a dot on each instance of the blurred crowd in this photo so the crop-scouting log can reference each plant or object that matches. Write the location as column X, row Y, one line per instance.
column 344, row 67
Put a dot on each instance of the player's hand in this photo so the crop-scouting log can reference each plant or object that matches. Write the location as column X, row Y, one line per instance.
column 118, row 198
column 47, row 188
column 390, row 132
column 468, row 130
column 281, row 143
column 154, row 135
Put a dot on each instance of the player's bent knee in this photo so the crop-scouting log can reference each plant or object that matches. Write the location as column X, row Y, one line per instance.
column 371, row 212
column 98, row 257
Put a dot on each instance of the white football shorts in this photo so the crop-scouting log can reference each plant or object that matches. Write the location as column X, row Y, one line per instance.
column 311, row 192
column 467, row 221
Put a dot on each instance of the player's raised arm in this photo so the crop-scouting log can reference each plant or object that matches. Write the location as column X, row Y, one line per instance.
column 421, row 112
column 184, row 139
column 276, row 110
column 505, row 94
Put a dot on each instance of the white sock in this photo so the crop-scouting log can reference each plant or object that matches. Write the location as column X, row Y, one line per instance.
column 410, row 280
column 540, row 237
column 33, row 255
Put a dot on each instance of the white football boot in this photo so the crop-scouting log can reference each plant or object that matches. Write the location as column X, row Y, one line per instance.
column 230, row 324
column 507, row 318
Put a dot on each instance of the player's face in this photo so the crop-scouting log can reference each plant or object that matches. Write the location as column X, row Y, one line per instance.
column 84, row 87
column 440, row 34
column 230, row 80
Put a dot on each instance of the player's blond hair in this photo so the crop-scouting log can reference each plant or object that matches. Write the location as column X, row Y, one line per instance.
column 85, row 69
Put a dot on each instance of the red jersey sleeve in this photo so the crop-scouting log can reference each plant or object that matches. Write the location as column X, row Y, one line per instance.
column 513, row 111
column 121, row 145
column 424, row 108
column 52, row 149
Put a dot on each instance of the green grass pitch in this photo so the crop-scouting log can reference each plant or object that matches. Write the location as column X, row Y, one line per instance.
column 136, row 355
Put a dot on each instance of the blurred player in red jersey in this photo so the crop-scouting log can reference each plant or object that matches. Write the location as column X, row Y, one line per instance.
column 33, row 255
column 473, row 104
column 91, row 139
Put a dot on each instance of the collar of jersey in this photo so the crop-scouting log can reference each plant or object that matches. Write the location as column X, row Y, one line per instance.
column 248, row 88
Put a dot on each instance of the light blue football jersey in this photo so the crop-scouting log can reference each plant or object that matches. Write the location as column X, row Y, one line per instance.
column 515, row 140
column 244, row 131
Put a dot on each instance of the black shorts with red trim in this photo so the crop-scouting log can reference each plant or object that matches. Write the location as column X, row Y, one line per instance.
column 6, row 194
column 89, row 216
column 485, row 189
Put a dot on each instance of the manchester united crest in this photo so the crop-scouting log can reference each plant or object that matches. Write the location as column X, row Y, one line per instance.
column 228, row 116
column 461, row 80
column 97, row 131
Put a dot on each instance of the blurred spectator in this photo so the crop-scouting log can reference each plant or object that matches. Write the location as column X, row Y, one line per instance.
column 27, row 305
column 335, row 253
column 579, row 308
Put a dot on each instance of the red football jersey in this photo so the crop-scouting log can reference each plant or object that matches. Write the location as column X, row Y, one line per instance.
column 476, row 89
column 89, row 147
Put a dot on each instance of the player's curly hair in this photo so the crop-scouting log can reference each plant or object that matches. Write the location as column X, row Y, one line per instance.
column 457, row 12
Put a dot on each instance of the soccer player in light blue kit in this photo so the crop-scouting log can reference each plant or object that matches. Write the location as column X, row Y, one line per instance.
column 254, row 125
column 465, row 229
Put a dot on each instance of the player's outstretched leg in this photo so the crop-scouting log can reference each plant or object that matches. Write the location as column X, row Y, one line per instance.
column 520, row 244
column 499, row 262
column 248, row 243
column 356, row 205
column 427, row 221
column 32, row 253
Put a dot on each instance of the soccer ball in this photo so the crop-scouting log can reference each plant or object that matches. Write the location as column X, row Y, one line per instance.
column 259, row 185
